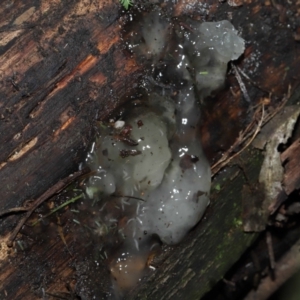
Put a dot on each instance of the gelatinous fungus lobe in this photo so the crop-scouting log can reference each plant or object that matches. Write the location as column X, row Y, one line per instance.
column 152, row 159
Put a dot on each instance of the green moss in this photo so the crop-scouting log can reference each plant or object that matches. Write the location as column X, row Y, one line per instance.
column 237, row 222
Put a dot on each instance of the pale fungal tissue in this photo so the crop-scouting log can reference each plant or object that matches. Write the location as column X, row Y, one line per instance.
column 149, row 160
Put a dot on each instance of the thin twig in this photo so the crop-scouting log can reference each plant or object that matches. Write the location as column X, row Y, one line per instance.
column 226, row 159
column 13, row 210
column 286, row 267
column 130, row 197
column 55, row 189
column 282, row 104
column 270, row 250
column 72, row 200
column 241, row 83
column 250, row 80
column 249, row 132
column 58, row 296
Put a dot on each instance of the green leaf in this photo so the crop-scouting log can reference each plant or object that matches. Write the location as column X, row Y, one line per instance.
column 126, row 3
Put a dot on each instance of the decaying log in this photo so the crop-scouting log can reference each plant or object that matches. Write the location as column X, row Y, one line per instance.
column 63, row 67
column 203, row 259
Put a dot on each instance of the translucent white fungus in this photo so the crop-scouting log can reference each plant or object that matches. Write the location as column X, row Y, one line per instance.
column 208, row 49
column 131, row 161
column 154, row 31
column 153, row 159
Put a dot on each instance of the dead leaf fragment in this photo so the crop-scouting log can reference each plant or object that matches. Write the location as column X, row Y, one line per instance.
column 291, row 159
column 271, row 176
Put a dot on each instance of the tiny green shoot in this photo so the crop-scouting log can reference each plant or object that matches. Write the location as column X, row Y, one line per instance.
column 72, row 200
column 126, row 3
column 20, row 245
column 101, row 124
column 203, row 73
column 217, row 187
column 98, row 224
column 237, row 222
column 76, row 221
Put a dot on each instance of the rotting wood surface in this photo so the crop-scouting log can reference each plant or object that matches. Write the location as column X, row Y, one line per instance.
column 63, row 66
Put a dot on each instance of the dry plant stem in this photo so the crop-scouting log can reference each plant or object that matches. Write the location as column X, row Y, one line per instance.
column 250, row 80
column 226, row 159
column 247, row 133
column 285, row 268
column 241, row 83
column 129, row 197
column 278, row 109
column 55, row 189
column 270, row 250
column 13, row 210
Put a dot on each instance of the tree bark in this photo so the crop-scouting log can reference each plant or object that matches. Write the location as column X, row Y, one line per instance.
column 63, row 67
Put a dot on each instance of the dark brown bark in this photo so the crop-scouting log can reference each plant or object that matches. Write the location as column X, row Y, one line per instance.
column 62, row 67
